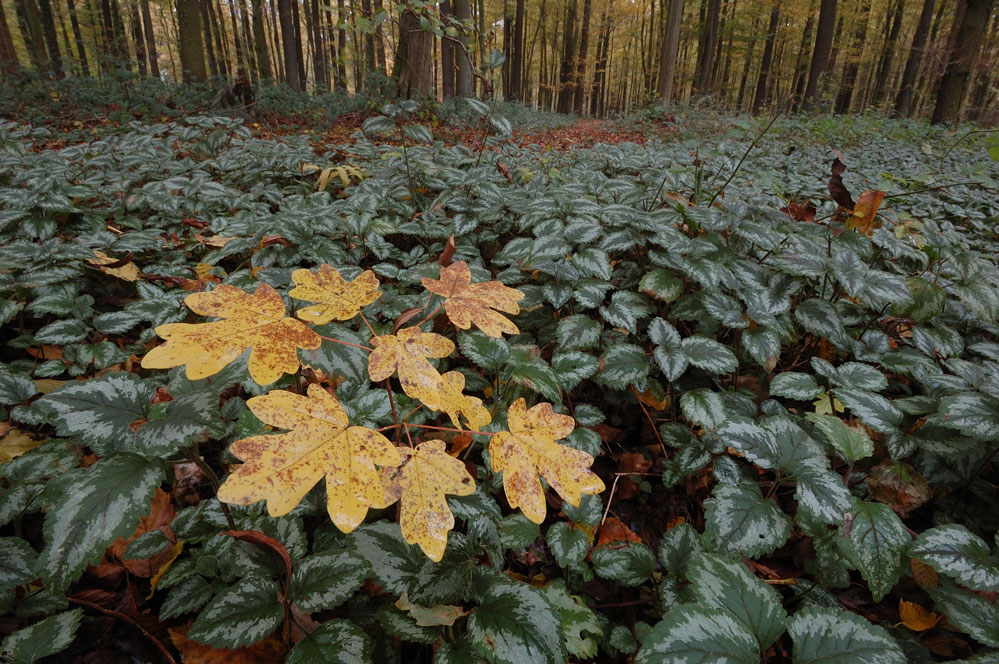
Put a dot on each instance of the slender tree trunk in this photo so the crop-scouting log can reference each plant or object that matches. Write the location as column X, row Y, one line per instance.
column 566, row 94
column 289, row 45
column 412, row 68
column 706, row 48
column 447, row 54
column 297, row 25
column 192, row 54
column 906, row 91
column 242, row 61
column 137, row 37
column 849, row 81
column 51, row 38
column 260, row 41
column 668, row 52
column 9, row 63
column 888, row 54
column 379, row 38
column 768, row 51
column 33, row 33
column 150, row 38
column 801, row 65
column 970, row 32
column 517, row 54
column 120, row 38
column 600, row 70
column 745, row 69
column 369, row 39
column 213, row 63
column 249, row 48
column 820, row 56
column 341, row 46
column 580, row 75
column 318, row 48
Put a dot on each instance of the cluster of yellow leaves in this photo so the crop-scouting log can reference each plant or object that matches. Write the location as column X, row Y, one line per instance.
column 362, row 468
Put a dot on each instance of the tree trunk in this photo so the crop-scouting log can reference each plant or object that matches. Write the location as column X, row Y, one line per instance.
column 297, row 25
column 150, row 37
column 970, row 34
column 120, row 38
column 820, row 55
column 260, row 40
column 447, row 53
column 517, row 54
column 289, row 45
column 566, row 93
column 9, row 63
column 888, row 55
column 213, row 63
column 745, row 68
column 341, row 46
column 845, row 95
column 706, row 48
column 51, row 37
column 600, row 69
column 369, row 39
column 801, row 65
column 906, row 91
column 768, row 53
column 669, row 51
column 412, row 69
column 33, row 34
column 137, row 37
column 580, row 76
column 379, row 38
column 192, row 53
column 318, row 48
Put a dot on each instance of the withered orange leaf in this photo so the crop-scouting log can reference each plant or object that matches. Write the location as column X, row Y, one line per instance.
column 254, row 321
column 864, row 212
column 407, row 351
column 335, row 298
column 454, row 403
column 528, row 449
column 282, row 468
column 915, row 617
column 467, row 303
column 424, row 515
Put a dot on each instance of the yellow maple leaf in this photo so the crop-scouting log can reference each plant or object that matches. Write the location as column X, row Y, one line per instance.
column 335, row 298
column 421, row 485
column 15, row 443
column 282, row 468
column 826, row 403
column 454, row 403
column 528, row 449
column 467, row 303
column 407, row 351
column 127, row 272
column 915, row 617
column 254, row 321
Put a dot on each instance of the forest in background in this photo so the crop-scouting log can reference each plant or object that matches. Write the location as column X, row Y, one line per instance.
column 934, row 59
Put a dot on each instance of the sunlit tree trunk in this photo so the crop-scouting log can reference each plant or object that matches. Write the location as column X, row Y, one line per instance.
column 954, row 85
column 51, row 38
column 820, row 55
column 579, row 78
column 412, row 70
column 849, row 81
column 669, row 51
column 9, row 63
column 192, row 54
column 706, row 48
column 760, row 97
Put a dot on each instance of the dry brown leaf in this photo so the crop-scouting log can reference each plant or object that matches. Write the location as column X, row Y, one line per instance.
column 915, row 617
column 269, row 651
column 127, row 272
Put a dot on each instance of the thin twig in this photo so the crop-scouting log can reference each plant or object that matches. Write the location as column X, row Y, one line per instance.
column 744, row 155
column 347, row 343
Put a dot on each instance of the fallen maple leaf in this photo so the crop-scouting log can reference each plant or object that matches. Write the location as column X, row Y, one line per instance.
column 862, row 218
column 429, row 616
column 15, row 443
column 114, row 267
column 428, row 475
column 282, row 468
column 406, row 352
column 454, row 403
column 254, row 321
column 335, row 298
column 528, row 449
column 915, row 617
column 467, row 303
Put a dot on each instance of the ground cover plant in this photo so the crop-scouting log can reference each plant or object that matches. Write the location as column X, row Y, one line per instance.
column 729, row 394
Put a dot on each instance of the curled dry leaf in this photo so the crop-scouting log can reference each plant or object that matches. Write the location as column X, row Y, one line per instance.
column 125, row 270
column 254, row 321
column 407, row 352
column 915, row 617
column 467, row 303
column 864, row 212
column 335, row 298
column 282, row 468
column 528, row 450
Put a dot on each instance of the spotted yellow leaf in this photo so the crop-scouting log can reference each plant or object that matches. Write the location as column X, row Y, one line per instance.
column 255, row 321
column 282, row 468
column 528, row 449
column 407, row 351
column 335, row 298
column 454, row 403
column 127, row 272
column 421, row 485
column 467, row 303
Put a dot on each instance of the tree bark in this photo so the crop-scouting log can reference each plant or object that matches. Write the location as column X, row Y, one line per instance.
column 289, row 45
column 970, row 34
column 845, row 95
column 580, row 75
column 150, row 37
column 318, row 48
column 33, row 34
column 51, row 38
column 192, row 53
column 412, row 69
column 706, row 48
column 801, row 64
column 906, row 91
column 9, row 63
column 600, row 69
column 297, row 25
column 820, row 55
column 888, row 55
column 120, row 39
column 260, row 40
column 517, row 54
column 447, row 53
column 760, row 97
column 566, row 93
column 669, row 51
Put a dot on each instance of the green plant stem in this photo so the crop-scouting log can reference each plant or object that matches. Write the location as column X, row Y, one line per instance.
column 213, row 479
column 744, row 156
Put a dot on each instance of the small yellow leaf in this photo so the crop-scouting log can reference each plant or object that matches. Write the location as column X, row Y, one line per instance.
column 407, row 351
column 254, row 321
column 154, row 581
column 429, row 616
column 862, row 218
column 15, row 443
column 915, row 617
column 335, row 298
column 528, row 449
column 467, row 303
column 454, row 403
column 826, row 403
column 424, row 515
column 282, row 468
column 127, row 272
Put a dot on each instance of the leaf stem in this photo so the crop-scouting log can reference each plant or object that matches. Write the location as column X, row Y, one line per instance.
column 370, row 329
column 346, row 343
column 213, row 479
column 430, row 315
